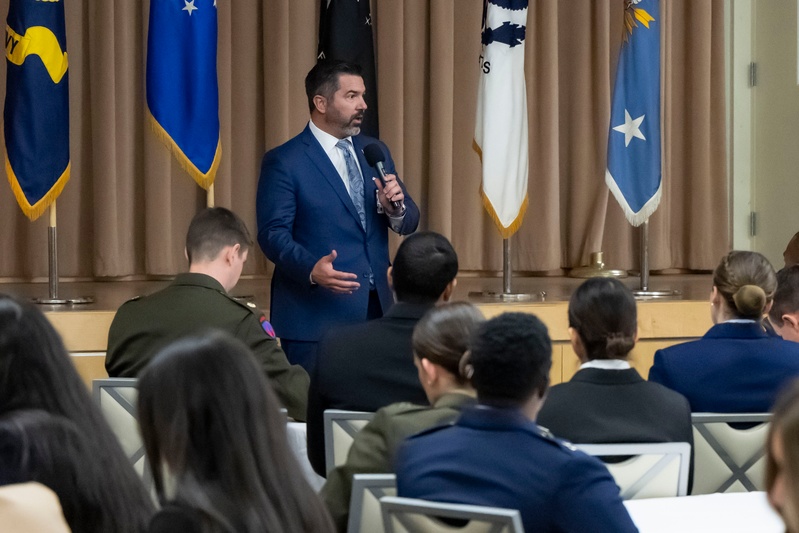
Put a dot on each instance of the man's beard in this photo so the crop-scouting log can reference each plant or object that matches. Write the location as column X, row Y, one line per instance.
column 350, row 128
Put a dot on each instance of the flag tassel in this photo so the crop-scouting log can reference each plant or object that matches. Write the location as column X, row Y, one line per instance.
column 505, row 231
column 36, row 210
column 204, row 180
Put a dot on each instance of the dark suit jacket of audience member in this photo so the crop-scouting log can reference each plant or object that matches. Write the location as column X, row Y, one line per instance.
column 364, row 367
column 499, row 458
column 735, row 368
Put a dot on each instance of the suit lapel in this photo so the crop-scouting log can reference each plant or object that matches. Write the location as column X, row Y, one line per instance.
column 319, row 158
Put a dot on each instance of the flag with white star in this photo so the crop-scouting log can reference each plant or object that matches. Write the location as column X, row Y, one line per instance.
column 345, row 33
column 182, row 87
column 500, row 131
column 634, row 173
column 36, row 115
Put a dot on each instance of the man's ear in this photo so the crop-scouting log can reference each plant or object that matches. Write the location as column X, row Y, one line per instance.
column 185, row 253
column 449, row 289
column 390, row 276
column 791, row 320
column 320, row 103
column 430, row 370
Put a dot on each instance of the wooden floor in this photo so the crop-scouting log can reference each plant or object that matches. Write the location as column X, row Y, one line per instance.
column 661, row 322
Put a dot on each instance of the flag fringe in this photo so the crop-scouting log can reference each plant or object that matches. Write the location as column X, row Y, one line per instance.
column 513, row 227
column 204, row 180
column 634, row 218
column 36, row 210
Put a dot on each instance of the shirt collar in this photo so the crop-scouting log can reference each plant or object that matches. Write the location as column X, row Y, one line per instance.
column 606, row 364
column 327, row 141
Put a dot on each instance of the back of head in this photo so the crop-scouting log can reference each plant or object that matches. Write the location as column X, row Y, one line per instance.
column 786, row 297
column 511, row 355
column 423, row 267
column 442, row 335
column 746, row 281
column 51, row 450
column 603, row 312
column 211, row 230
column 207, row 413
column 791, row 253
column 322, row 79
column 36, row 373
column 785, row 428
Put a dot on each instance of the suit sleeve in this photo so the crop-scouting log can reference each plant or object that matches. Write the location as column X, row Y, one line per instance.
column 290, row 382
column 368, row 455
column 588, row 499
column 276, row 207
column 657, row 373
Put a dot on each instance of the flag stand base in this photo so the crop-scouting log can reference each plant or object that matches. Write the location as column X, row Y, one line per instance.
column 52, row 252
column 507, row 295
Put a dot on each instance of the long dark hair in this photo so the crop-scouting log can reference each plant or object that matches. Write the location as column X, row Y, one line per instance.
column 37, row 373
column 212, row 425
column 603, row 313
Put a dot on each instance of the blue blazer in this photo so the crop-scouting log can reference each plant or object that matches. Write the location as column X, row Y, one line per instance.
column 499, row 458
column 304, row 212
column 734, row 368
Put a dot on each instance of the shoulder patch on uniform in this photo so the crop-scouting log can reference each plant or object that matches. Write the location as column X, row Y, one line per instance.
column 266, row 325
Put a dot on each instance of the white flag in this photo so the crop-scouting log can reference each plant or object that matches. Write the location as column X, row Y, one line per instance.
column 501, row 125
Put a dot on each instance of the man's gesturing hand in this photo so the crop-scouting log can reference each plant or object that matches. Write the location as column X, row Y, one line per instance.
column 325, row 275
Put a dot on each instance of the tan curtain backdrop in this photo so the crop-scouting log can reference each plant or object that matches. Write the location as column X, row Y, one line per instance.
column 128, row 204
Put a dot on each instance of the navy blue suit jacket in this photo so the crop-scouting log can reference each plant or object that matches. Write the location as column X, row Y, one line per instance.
column 734, row 368
column 499, row 458
column 304, row 212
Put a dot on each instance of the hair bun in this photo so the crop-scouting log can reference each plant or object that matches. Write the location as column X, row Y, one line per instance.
column 750, row 300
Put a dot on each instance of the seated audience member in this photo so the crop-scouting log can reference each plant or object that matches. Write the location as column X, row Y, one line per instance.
column 784, row 314
column 364, row 367
column 36, row 373
column 31, row 508
column 782, row 458
column 791, row 253
column 216, row 443
column 439, row 343
column 736, row 367
column 606, row 401
column 495, row 454
column 217, row 245
column 49, row 449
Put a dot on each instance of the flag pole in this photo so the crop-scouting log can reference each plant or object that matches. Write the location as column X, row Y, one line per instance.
column 209, row 198
column 645, row 292
column 506, row 270
column 52, row 264
column 507, row 295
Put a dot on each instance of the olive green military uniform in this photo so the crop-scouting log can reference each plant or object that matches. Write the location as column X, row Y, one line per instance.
column 373, row 449
column 193, row 303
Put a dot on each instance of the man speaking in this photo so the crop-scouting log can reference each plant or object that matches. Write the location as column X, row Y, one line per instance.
column 323, row 214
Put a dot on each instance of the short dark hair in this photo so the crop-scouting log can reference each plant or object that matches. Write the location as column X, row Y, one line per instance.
column 603, row 313
column 786, row 297
column 423, row 267
column 322, row 79
column 208, row 413
column 211, row 230
column 511, row 355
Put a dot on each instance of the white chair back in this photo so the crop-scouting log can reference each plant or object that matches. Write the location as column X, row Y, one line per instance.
column 367, row 489
column 116, row 398
column 727, row 459
column 407, row 515
column 340, row 430
column 654, row 470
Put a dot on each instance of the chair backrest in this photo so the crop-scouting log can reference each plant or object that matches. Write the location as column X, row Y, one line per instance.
column 116, row 398
column 407, row 515
column 340, row 430
column 653, row 470
column 367, row 489
column 727, row 458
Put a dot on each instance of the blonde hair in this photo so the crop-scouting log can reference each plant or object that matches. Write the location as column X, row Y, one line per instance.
column 746, row 281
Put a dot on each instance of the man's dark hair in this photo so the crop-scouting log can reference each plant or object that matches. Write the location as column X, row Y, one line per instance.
column 423, row 267
column 511, row 355
column 786, row 297
column 323, row 78
column 211, row 230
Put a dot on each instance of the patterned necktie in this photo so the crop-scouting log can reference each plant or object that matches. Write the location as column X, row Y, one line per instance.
column 356, row 181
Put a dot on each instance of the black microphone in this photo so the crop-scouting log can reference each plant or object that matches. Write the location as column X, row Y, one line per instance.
column 374, row 156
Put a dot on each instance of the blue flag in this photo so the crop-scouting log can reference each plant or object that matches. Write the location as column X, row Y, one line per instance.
column 182, row 87
column 633, row 174
column 37, row 104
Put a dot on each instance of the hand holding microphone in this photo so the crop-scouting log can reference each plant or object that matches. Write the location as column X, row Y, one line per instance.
column 388, row 182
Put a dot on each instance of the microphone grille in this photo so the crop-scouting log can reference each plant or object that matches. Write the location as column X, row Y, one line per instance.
column 374, row 154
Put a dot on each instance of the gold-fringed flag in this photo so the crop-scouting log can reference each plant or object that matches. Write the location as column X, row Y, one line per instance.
column 182, row 86
column 36, row 110
column 501, row 126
